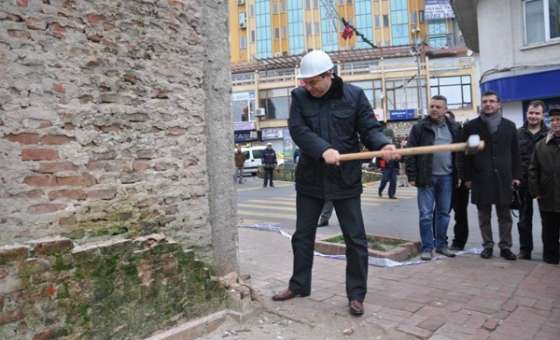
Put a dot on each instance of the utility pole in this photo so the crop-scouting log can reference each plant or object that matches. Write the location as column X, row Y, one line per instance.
column 416, row 33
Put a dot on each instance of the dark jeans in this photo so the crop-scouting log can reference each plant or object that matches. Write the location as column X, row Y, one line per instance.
column 550, row 236
column 504, row 223
column 268, row 175
column 389, row 175
column 461, row 227
column 525, row 225
column 303, row 241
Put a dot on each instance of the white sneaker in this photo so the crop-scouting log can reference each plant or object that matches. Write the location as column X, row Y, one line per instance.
column 426, row 256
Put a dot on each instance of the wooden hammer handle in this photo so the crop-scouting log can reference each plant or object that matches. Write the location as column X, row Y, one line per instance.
column 419, row 150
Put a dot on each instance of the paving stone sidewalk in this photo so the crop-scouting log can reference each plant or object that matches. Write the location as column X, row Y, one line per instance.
column 461, row 298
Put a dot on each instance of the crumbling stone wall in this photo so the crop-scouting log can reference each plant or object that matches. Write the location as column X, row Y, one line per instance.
column 118, row 289
column 103, row 119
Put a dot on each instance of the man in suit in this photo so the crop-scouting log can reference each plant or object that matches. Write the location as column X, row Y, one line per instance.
column 492, row 172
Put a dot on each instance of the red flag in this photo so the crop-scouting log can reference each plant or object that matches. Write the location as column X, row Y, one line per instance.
column 347, row 33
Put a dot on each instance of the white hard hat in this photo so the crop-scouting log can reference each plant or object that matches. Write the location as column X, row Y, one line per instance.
column 314, row 63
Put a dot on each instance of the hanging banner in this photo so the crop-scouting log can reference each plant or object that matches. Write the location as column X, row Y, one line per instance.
column 438, row 9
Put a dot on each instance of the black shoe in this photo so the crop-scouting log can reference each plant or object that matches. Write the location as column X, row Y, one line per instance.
column 456, row 248
column 380, row 194
column 507, row 254
column 323, row 224
column 551, row 261
column 486, row 253
column 524, row 255
column 393, row 197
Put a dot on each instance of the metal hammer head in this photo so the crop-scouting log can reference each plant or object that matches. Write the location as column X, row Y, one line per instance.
column 474, row 144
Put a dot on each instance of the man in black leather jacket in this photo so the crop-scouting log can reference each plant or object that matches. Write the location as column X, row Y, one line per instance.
column 529, row 135
column 329, row 118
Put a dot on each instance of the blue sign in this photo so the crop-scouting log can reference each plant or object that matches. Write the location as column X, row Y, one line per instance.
column 406, row 114
column 536, row 85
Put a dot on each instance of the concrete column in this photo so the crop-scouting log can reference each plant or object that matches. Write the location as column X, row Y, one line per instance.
column 221, row 194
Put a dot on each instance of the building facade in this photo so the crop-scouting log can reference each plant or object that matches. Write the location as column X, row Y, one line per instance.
column 417, row 52
column 519, row 46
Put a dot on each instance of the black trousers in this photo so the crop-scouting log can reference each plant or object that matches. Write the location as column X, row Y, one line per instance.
column 525, row 224
column 550, row 236
column 268, row 175
column 460, row 205
column 303, row 241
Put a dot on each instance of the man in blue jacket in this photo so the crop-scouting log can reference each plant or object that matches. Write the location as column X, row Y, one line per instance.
column 329, row 118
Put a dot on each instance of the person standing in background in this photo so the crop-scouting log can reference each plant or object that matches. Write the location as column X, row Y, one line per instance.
column 269, row 164
column 239, row 163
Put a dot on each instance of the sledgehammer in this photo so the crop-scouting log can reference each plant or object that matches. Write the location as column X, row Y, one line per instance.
column 472, row 146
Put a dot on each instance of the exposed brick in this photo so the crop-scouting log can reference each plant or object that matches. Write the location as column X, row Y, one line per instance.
column 19, row 34
column 39, row 154
column 45, row 335
column 141, row 165
column 11, row 316
column 103, row 156
column 145, row 154
column 70, row 220
column 103, row 194
column 54, row 167
column 176, row 131
column 40, row 181
column 13, row 253
column 23, row 138
column 57, row 30
column 36, row 24
column 51, row 246
column 22, row 3
column 3, row 274
column 30, row 194
column 45, row 208
column 68, row 193
column 85, row 180
column 59, row 88
column 56, row 139
column 94, row 19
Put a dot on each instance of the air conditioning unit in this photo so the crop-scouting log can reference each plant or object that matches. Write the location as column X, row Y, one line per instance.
column 277, row 54
column 241, row 2
column 260, row 112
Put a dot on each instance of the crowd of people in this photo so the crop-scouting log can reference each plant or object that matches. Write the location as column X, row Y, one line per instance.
column 505, row 165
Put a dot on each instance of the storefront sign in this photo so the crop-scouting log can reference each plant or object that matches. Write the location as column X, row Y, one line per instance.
column 438, row 9
column 273, row 133
column 243, row 126
column 245, row 136
column 405, row 114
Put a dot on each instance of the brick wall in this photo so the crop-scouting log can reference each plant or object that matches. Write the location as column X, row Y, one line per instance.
column 119, row 289
column 103, row 120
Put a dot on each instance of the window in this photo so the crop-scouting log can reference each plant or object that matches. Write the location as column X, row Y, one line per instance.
column 308, row 4
column 457, row 90
column 364, row 21
column 276, row 103
column 403, row 94
column 385, row 20
column 252, row 36
column 243, row 42
column 373, row 91
column 541, row 20
column 377, row 21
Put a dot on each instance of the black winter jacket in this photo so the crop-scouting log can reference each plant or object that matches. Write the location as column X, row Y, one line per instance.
column 341, row 119
column 419, row 167
column 493, row 169
column 527, row 142
column 544, row 174
column 269, row 158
